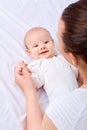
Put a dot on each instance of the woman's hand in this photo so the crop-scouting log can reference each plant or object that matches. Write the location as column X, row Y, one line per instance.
column 20, row 66
column 23, row 78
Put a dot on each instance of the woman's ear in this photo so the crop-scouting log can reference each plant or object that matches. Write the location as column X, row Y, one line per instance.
column 28, row 52
column 73, row 59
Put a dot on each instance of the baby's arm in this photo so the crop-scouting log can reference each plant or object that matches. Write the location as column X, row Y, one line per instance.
column 37, row 73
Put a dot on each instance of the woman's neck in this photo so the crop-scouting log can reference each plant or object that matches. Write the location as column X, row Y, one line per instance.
column 83, row 73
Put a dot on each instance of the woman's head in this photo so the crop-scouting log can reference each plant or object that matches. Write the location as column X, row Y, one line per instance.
column 73, row 30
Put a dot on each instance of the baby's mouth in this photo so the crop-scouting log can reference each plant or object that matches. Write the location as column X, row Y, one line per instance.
column 43, row 52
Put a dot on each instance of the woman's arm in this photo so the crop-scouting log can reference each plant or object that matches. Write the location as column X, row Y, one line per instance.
column 47, row 124
column 34, row 113
column 35, row 120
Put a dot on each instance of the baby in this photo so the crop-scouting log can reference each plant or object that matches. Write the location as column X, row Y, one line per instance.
column 39, row 43
column 47, row 67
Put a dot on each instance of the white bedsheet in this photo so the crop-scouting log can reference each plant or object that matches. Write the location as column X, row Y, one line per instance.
column 16, row 17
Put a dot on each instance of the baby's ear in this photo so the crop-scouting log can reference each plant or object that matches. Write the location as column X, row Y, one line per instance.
column 28, row 52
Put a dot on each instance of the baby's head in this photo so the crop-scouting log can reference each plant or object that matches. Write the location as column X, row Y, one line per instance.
column 39, row 43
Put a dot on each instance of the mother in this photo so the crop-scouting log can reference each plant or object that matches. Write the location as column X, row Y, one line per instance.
column 68, row 112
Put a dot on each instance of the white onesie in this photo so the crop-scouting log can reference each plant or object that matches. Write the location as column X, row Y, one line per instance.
column 47, row 73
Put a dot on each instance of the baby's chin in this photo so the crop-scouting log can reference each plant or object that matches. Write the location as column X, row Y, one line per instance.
column 46, row 56
column 43, row 56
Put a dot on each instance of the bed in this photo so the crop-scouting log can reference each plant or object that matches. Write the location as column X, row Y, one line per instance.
column 16, row 17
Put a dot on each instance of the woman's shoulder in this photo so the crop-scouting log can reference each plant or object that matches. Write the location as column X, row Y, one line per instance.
column 77, row 95
column 68, row 108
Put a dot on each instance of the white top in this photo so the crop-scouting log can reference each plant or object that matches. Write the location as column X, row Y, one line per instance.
column 48, row 73
column 69, row 111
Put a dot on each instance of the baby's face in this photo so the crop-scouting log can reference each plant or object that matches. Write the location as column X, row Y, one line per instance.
column 40, row 45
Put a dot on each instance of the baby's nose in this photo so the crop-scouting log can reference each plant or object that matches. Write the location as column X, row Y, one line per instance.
column 42, row 46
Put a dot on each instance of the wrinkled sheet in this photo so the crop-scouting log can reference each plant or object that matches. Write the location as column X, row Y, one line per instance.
column 16, row 17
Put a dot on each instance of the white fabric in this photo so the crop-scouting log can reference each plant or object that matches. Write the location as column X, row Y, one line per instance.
column 55, row 75
column 69, row 111
column 16, row 17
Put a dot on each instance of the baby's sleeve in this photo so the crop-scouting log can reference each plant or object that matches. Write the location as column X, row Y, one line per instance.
column 37, row 74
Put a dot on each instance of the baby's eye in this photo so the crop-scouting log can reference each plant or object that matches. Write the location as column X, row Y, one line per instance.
column 36, row 46
column 46, row 42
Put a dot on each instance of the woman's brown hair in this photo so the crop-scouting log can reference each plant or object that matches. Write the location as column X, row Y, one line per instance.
column 75, row 33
